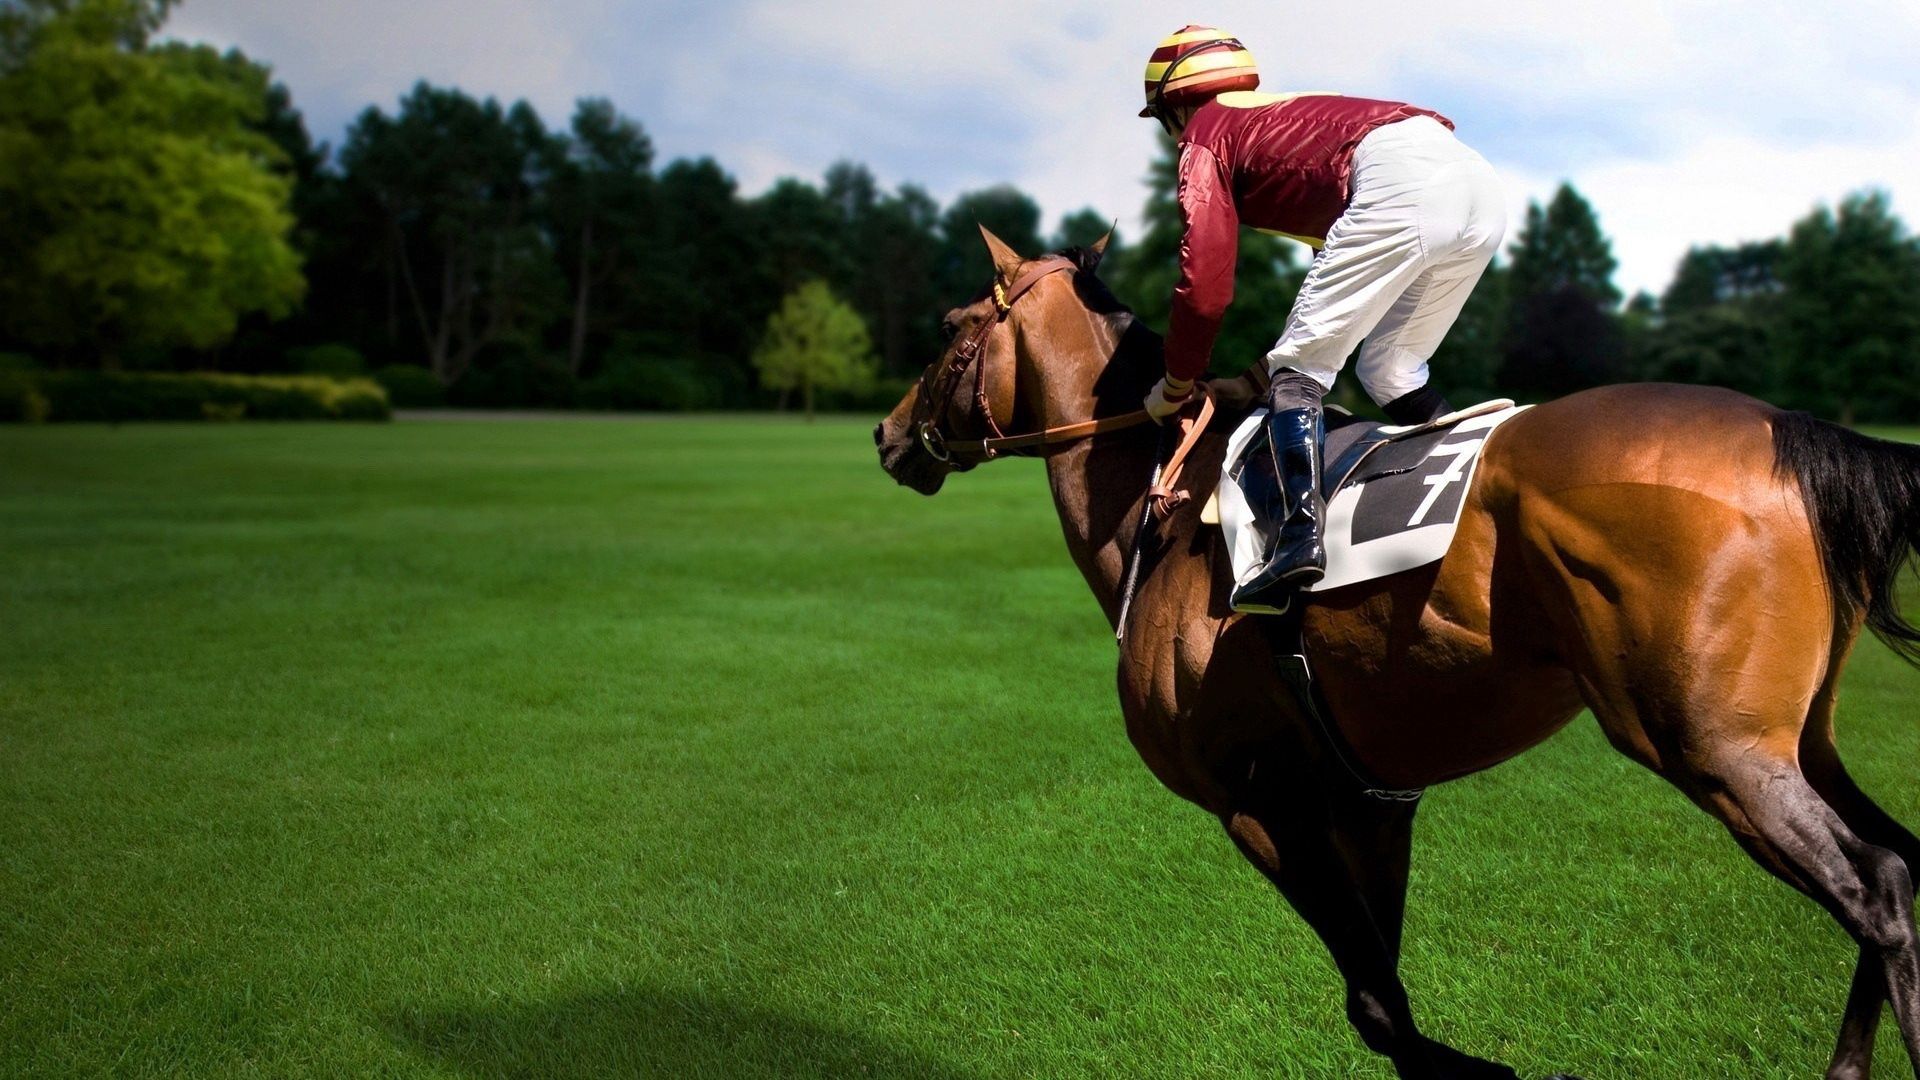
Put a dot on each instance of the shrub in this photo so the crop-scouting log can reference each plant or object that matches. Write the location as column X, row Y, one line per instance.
column 333, row 360
column 21, row 401
column 513, row 375
column 118, row 396
column 410, row 386
column 647, row 382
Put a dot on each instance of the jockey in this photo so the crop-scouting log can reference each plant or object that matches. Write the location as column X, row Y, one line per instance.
column 1403, row 219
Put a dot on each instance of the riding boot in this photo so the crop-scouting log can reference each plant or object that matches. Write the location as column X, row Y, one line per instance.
column 1280, row 476
column 1422, row 406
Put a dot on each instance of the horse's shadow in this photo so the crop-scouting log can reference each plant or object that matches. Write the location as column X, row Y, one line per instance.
column 649, row 1032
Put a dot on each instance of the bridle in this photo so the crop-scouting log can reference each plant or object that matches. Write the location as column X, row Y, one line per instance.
column 938, row 383
column 1164, row 494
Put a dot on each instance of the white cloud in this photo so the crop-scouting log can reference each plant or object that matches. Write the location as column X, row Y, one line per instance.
column 347, row 54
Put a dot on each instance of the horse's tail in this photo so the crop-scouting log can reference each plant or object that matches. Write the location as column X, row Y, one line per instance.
column 1863, row 497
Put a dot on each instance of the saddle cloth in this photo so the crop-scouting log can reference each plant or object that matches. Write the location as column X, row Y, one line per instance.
column 1393, row 494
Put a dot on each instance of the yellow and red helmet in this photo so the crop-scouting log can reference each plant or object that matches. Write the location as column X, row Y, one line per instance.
column 1193, row 64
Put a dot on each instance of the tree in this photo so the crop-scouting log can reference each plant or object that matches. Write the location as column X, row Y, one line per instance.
column 1728, row 345
column 1562, row 333
column 1466, row 366
column 141, row 206
column 599, row 199
column 965, row 267
column 1721, row 275
column 815, row 341
column 1084, row 226
column 801, row 234
column 1849, row 317
column 455, row 180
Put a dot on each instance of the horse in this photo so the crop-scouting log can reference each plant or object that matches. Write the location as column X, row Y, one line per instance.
column 1690, row 564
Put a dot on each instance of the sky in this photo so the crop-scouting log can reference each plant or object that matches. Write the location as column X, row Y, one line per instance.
column 1682, row 122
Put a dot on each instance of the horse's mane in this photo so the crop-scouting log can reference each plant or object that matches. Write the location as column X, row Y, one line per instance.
column 1137, row 349
column 1094, row 291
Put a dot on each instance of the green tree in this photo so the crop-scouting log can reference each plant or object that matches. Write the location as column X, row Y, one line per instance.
column 1850, row 312
column 1728, row 345
column 1721, row 275
column 1562, row 331
column 599, row 198
column 454, row 182
column 815, row 341
column 141, row 207
column 801, row 235
column 964, row 267
column 1466, row 366
column 1084, row 226
column 899, row 250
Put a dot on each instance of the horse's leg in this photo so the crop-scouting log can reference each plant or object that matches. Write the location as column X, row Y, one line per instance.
column 1853, row 1054
column 1343, row 868
column 1780, row 819
column 1754, row 770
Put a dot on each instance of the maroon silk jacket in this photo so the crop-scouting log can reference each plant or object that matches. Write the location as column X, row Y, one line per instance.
column 1277, row 162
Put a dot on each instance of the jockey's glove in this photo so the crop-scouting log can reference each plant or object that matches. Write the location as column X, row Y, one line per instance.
column 1167, row 396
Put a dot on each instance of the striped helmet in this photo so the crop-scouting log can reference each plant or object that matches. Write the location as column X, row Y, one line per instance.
column 1193, row 64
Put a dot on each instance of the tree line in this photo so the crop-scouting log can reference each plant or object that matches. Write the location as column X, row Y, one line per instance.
column 164, row 206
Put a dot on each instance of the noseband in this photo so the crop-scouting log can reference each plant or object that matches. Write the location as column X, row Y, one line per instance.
column 936, row 388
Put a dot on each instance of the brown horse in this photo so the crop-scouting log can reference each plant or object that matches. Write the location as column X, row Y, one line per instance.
column 1690, row 564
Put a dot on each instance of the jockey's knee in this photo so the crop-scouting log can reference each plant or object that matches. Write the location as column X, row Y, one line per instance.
column 1391, row 376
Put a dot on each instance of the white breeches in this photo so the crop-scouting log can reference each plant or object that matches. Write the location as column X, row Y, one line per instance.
column 1426, row 218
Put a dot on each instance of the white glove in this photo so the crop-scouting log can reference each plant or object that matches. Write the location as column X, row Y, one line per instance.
column 1167, row 397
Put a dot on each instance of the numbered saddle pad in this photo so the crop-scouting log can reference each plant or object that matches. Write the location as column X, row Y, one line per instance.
column 1397, row 505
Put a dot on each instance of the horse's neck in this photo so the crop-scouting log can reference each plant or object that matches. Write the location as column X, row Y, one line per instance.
column 1099, row 490
column 1099, row 487
column 1104, row 365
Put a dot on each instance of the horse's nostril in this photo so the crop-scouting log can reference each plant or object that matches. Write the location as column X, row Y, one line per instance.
column 879, row 436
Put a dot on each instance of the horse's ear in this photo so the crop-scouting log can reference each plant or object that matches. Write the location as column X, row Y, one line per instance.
column 1099, row 247
column 1005, row 259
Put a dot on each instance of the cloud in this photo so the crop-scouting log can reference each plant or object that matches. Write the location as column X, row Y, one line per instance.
column 343, row 55
column 1684, row 122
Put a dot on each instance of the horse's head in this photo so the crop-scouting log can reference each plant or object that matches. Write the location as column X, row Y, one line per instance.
column 987, row 382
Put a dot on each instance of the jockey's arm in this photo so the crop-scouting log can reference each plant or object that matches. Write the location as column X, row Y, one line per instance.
column 1208, row 251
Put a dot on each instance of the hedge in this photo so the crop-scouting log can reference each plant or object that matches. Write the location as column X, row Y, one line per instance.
column 117, row 396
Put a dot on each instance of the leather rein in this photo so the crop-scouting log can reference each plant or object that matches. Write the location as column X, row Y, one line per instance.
column 1163, row 496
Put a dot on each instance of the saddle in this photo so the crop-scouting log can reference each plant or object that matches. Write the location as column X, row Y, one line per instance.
column 1394, row 494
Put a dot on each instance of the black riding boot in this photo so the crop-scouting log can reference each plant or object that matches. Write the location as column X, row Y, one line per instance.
column 1280, row 477
column 1422, row 406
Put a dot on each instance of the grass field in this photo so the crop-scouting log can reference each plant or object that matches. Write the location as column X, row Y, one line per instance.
column 696, row 748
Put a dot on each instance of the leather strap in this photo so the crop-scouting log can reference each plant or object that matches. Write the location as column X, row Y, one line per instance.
column 1166, row 496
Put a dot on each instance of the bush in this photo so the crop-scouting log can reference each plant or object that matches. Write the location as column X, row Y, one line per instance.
column 118, row 396
column 511, row 375
column 333, row 360
column 410, row 386
column 645, row 382
column 13, row 362
column 21, row 401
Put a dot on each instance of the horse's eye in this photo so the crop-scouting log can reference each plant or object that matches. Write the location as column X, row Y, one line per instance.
column 949, row 328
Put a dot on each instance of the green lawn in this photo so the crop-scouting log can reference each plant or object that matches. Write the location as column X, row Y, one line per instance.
column 697, row 748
